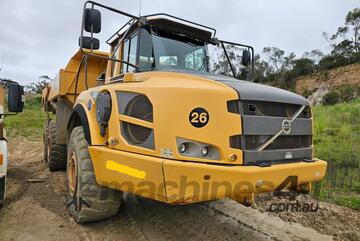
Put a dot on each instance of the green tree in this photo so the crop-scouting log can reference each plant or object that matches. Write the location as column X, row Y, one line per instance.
column 280, row 65
column 260, row 69
column 315, row 55
column 353, row 21
column 303, row 66
column 38, row 86
column 345, row 43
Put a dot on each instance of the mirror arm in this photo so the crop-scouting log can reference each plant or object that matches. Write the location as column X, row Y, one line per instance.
column 133, row 17
column 112, row 59
column 252, row 55
column 110, row 9
column 137, row 68
column 228, row 59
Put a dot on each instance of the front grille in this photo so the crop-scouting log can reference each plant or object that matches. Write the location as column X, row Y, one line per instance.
column 261, row 121
column 235, row 141
column 282, row 142
column 265, row 108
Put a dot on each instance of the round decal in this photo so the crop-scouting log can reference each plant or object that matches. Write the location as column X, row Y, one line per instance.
column 199, row 117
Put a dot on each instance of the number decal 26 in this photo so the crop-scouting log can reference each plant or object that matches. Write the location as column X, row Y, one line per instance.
column 199, row 117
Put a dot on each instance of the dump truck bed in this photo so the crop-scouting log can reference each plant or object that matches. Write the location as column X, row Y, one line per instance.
column 68, row 83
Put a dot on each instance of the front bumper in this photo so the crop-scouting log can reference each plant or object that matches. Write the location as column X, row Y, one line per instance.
column 179, row 182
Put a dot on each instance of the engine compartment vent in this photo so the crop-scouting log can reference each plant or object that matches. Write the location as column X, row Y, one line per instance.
column 135, row 105
column 138, row 135
column 138, row 106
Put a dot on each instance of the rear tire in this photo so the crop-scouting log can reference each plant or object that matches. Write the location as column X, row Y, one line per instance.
column 45, row 139
column 88, row 201
column 56, row 153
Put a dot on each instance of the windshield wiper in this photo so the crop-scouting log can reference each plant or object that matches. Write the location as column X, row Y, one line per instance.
column 205, row 63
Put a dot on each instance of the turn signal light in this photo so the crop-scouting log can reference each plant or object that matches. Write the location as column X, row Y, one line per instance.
column 1, row 159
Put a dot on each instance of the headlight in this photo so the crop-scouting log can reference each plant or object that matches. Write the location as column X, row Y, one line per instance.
column 204, row 151
column 182, row 148
column 196, row 149
column 103, row 111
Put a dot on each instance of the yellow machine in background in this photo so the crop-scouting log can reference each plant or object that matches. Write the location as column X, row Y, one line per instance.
column 151, row 118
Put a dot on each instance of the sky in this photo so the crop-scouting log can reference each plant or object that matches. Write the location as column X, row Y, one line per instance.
column 38, row 37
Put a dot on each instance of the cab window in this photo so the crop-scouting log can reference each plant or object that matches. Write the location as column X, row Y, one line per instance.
column 130, row 53
column 195, row 60
column 115, row 55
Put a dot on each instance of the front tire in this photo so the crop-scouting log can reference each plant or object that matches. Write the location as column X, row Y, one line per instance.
column 88, row 201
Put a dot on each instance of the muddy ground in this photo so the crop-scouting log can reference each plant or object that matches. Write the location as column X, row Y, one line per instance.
column 37, row 211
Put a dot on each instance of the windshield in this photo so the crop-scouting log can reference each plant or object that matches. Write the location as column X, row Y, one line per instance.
column 166, row 50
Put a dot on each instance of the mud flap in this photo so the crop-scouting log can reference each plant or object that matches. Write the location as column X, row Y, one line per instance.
column 2, row 188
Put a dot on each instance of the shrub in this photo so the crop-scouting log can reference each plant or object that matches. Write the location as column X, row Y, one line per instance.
column 349, row 93
column 306, row 93
column 332, row 98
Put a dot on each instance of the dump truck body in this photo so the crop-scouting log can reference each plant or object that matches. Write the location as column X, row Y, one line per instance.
column 151, row 118
column 68, row 81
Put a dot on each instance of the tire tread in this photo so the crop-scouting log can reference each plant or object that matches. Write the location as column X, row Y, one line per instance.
column 104, row 202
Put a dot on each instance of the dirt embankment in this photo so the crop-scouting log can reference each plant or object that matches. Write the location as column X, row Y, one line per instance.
column 37, row 211
column 349, row 74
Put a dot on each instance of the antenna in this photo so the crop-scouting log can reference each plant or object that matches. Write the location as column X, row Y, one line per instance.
column 139, row 8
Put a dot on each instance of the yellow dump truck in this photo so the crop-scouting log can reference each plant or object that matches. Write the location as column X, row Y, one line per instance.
column 150, row 117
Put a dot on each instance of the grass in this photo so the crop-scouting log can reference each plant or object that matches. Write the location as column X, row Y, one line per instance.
column 337, row 140
column 29, row 123
column 347, row 201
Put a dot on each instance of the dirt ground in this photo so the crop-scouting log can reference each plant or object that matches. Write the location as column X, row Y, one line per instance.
column 37, row 211
column 349, row 74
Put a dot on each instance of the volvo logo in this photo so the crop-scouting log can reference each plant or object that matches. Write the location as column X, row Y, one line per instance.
column 286, row 126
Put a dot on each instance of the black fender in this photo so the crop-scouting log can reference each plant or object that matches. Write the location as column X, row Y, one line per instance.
column 79, row 118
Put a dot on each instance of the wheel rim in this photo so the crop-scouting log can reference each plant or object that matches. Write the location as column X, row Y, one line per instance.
column 72, row 174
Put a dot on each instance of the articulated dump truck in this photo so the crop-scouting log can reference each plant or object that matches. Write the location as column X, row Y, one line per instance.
column 150, row 117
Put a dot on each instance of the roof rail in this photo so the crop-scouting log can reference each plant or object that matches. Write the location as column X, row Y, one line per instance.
column 117, row 33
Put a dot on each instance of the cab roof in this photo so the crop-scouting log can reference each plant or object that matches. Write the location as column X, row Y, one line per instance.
column 170, row 23
column 173, row 26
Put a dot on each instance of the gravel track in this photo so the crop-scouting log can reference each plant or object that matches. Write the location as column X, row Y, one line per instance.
column 37, row 211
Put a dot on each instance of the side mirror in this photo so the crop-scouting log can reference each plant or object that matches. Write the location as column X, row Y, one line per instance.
column 16, row 98
column 89, row 43
column 246, row 58
column 92, row 20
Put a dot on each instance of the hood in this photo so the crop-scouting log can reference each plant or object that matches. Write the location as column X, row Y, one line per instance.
column 253, row 91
